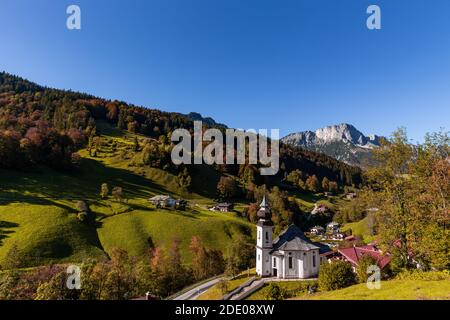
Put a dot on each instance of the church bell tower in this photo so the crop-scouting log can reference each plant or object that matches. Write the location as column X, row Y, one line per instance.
column 264, row 244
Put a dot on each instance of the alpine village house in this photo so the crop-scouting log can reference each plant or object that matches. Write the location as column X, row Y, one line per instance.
column 290, row 256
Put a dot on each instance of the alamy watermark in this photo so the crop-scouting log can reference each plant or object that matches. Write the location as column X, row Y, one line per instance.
column 73, row 21
column 233, row 150
column 374, row 20
column 374, row 280
column 74, row 277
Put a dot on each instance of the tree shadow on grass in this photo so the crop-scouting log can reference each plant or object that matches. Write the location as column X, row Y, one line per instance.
column 5, row 227
column 43, row 186
column 17, row 197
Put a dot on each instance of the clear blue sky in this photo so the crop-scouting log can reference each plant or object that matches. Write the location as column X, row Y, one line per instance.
column 288, row 64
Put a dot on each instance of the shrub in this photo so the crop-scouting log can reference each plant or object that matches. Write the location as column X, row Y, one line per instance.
column 336, row 275
column 223, row 286
column 83, row 216
column 82, row 206
column 104, row 191
column 361, row 270
column 275, row 292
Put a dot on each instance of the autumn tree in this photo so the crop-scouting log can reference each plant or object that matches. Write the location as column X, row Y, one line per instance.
column 251, row 212
column 411, row 186
column 184, row 179
column 296, row 178
column 117, row 193
column 325, row 184
column 104, row 191
column 205, row 263
column 241, row 256
column 226, row 187
column 56, row 289
column 136, row 146
column 333, row 187
column 392, row 180
column 312, row 183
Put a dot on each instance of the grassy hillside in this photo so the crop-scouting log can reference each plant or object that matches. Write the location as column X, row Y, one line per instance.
column 406, row 289
column 360, row 229
column 391, row 290
column 41, row 234
column 39, row 221
column 130, row 231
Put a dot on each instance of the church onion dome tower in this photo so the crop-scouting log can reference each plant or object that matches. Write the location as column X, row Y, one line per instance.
column 264, row 243
column 264, row 214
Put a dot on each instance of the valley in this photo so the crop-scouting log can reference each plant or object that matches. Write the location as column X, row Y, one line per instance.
column 77, row 175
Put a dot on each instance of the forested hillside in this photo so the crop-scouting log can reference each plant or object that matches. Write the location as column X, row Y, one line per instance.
column 40, row 125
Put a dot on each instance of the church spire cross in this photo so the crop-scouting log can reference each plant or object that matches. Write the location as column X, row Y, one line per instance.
column 264, row 210
column 264, row 202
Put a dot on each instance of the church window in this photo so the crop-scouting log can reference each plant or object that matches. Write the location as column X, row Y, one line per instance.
column 290, row 263
column 314, row 261
column 259, row 257
column 274, row 262
column 267, row 236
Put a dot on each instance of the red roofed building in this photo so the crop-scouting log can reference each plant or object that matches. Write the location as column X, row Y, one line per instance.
column 354, row 254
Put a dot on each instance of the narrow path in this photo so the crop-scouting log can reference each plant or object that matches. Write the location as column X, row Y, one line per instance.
column 194, row 293
column 258, row 284
column 248, row 290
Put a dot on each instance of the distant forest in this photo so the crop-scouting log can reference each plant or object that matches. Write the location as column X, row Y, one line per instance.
column 45, row 126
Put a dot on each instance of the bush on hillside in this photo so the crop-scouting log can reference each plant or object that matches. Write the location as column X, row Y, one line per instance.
column 336, row 275
column 223, row 286
column 275, row 292
column 361, row 270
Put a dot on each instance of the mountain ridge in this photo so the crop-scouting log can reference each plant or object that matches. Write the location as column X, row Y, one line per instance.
column 343, row 142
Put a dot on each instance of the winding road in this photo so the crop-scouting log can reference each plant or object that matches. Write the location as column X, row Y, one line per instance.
column 194, row 293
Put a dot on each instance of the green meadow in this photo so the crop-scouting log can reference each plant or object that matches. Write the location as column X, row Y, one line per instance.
column 360, row 229
column 390, row 290
column 38, row 216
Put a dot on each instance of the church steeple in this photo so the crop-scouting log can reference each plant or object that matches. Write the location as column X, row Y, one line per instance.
column 264, row 210
column 264, row 213
column 264, row 244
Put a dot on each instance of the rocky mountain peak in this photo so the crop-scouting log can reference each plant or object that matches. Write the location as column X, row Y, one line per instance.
column 342, row 141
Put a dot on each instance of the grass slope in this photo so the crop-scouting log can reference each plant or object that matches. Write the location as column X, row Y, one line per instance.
column 391, row 290
column 130, row 231
column 360, row 229
column 44, row 234
column 38, row 216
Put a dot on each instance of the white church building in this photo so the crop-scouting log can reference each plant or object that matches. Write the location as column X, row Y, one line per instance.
column 290, row 256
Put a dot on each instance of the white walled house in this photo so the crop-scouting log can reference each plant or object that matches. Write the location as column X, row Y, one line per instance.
column 290, row 256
